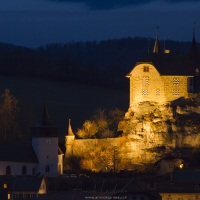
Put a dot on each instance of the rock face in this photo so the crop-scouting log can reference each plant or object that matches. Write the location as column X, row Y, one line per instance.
column 150, row 132
column 160, row 129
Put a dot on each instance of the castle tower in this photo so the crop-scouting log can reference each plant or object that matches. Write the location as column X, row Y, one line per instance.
column 69, row 140
column 156, row 48
column 45, row 145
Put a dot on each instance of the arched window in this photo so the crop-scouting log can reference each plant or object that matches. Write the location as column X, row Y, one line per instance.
column 47, row 168
column 24, row 170
column 8, row 170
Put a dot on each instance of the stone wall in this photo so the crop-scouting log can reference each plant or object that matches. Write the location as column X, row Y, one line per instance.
column 175, row 87
column 150, row 132
column 146, row 84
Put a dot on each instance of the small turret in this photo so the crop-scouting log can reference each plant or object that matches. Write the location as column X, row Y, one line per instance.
column 70, row 132
column 69, row 139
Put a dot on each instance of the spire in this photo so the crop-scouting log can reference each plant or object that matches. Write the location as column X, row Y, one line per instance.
column 156, row 48
column 194, row 49
column 70, row 132
column 45, row 121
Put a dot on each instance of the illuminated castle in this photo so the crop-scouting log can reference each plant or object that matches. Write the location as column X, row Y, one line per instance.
column 163, row 77
column 151, row 127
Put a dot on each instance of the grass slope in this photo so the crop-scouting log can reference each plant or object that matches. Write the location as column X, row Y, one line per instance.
column 64, row 100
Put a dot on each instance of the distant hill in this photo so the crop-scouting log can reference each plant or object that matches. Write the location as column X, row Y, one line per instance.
column 103, row 63
column 64, row 100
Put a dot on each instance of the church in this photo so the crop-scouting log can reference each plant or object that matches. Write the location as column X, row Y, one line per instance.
column 40, row 157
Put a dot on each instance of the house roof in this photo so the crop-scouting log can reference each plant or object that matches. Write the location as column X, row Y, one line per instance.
column 172, row 187
column 12, row 152
column 135, row 187
column 187, row 176
column 172, row 64
column 22, row 183
column 60, row 152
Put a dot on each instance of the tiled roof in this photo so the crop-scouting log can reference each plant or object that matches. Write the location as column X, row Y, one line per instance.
column 172, row 64
column 22, row 183
column 17, row 153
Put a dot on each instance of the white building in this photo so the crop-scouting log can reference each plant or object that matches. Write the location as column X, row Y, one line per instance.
column 41, row 156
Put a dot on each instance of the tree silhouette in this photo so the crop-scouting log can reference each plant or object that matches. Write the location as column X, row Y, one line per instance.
column 9, row 127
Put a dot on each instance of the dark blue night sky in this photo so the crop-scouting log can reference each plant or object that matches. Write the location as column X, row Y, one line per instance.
column 37, row 22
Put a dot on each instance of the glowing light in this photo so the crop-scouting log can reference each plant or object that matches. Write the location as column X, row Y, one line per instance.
column 5, row 185
column 181, row 166
column 167, row 51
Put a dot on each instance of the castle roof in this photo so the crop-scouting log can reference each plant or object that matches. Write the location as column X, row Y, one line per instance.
column 171, row 64
column 174, row 63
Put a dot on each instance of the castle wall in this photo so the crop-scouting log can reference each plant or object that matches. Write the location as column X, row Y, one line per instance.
column 175, row 87
column 113, row 153
column 146, row 84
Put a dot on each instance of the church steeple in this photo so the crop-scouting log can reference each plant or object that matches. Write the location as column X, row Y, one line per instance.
column 156, row 48
column 45, row 121
column 45, row 128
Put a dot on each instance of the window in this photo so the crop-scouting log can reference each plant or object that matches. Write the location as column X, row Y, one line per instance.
column 157, row 91
column 175, row 92
column 5, row 185
column 47, row 168
column 33, row 171
column 144, row 92
column 176, row 81
column 24, row 170
column 146, row 69
column 146, row 80
column 8, row 170
column 9, row 196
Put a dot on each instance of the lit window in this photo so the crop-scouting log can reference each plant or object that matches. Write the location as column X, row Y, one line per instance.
column 175, row 81
column 175, row 92
column 9, row 196
column 5, row 185
column 146, row 80
column 146, row 69
column 157, row 91
column 144, row 92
